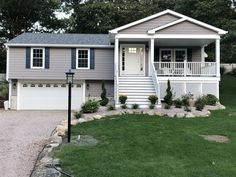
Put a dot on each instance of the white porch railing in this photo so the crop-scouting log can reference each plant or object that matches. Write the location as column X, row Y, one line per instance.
column 186, row 69
column 156, row 82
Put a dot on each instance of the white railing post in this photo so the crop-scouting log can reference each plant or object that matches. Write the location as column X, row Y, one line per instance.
column 185, row 68
column 116, row 72
column 151, row 54
column 217, row 57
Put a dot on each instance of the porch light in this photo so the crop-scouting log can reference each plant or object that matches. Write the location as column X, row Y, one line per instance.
column 70, row 77
column 69, row 80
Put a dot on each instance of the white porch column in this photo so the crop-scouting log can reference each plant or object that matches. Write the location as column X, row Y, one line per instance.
column 151, row 54
column 202, row 54
column 116, row 72
column 217, row 57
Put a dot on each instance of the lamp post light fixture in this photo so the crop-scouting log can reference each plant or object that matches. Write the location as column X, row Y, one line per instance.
column 69, row 80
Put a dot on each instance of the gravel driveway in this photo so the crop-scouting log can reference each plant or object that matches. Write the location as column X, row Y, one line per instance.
column 22, row 136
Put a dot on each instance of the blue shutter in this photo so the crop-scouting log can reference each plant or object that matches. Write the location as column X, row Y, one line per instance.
column 73, row 58
column 92, row 59
column 47, row 58
column 28, row 57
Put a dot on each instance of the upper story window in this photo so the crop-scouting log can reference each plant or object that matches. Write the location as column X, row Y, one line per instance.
column 83, row 58
column 37, row 58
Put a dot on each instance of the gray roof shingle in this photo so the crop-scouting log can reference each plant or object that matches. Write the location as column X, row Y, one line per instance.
column 61, row 39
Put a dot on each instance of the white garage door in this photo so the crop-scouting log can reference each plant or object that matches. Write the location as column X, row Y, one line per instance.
column 48, row 96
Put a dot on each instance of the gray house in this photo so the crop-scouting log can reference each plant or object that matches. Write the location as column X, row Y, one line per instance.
column 136, row 60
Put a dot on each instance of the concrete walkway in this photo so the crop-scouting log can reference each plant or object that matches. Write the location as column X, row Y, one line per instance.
column 22, row 136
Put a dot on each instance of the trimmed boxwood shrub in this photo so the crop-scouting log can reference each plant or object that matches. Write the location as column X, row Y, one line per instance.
column 153, row 99
column 178, row 103
column 78, row 115
column 122, row 99
column 152, row 106
column 135, row 106
column 200, row 103
column 111, row 108
column 210, row 99
column 90, row 106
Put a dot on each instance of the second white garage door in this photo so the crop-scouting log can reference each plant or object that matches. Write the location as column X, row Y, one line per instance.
column 48, row 96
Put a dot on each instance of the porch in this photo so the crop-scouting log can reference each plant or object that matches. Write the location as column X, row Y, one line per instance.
column 186, row 69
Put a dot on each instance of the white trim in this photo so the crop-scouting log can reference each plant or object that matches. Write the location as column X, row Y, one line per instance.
column 166, row 36
column 144, row 59
column 10, row 93
column 190, row 79
column 217, row 50
column 31, row 59
column 84, row 91
column 58, row 45
column 220, row 31
column 7, row 69
column 18, row 96
column 153, row 31
column 77, row 59
column 116, row 72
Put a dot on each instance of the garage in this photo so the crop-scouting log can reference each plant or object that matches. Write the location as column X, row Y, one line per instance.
column 32, row 96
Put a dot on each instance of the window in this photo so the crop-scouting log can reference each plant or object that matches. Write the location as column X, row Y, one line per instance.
column 180, row 55
column 166, row 55
column 37, row 58
column 132, row 50
column 123, row 59
column 83, row 59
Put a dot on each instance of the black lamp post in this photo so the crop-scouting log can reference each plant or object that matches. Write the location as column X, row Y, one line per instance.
column 69, row 80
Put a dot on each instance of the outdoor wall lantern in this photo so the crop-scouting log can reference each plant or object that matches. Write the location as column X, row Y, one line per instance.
column 69, row 81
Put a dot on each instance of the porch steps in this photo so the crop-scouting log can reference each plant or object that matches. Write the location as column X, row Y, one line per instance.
column 137, row 90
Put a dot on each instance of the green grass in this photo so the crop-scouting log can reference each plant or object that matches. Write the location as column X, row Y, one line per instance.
column 149, row 146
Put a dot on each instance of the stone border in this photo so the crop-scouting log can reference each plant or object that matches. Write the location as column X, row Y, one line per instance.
column 45, row 163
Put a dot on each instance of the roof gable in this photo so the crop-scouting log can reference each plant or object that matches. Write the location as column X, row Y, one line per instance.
column 210, row 27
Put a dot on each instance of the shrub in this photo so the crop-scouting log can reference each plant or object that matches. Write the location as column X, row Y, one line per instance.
column 178, row 103
column 104, row 98
column 4, row 90
column 153, row 99
column 124, row 106
column 135, row 106
column 222, row 70
column 111, row 108
column 122, row 99
column 90, row 106
column 210, row 99
column 167, row 106
column 152, row 106
column 169, row 95
column 77, row 115
column 200, row 103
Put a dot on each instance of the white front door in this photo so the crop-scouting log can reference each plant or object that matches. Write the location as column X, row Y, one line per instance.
column 132, row 60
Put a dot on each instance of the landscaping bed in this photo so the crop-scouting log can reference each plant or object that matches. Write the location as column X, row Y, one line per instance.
column 133, row 143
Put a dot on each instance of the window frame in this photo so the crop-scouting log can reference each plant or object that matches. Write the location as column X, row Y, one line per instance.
column 181, row 49
column 165, row 49
column 77, row 58
column 32, row 60
column 173, row 53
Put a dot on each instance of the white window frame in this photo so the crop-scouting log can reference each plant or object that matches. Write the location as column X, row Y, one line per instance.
column 77, row 59
column 31, row 59
column 181, row 49
column 163, row 49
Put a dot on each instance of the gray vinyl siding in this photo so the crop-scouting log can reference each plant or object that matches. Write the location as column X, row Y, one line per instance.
column 186, row 28
column 148, row 25
column 196, row 54
column 60, row 62
column 94, row 88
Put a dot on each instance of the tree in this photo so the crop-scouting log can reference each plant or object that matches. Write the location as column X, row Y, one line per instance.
column 169, row 96
column 18, row 16
column 104, row 98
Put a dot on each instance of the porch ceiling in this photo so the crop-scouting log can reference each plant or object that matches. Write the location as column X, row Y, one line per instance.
column 183, row 42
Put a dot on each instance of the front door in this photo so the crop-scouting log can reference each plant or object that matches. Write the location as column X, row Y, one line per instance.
column 132, row 60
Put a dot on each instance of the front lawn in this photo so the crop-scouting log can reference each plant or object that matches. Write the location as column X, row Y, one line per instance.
column 150, row 146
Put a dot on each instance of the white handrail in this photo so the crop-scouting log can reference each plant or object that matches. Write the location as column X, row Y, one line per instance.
column 156, row 82
column 186, row 68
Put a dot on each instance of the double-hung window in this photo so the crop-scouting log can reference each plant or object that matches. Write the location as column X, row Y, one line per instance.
column 83, row 59
column 37, row 58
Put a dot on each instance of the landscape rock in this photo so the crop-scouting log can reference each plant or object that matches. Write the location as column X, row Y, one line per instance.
column 61, row 128
column 97, row 117
column 190, row 115
column 74, row 122
column 161, row 114
column 180, row 115
column 82, row 120
column 171, row 115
